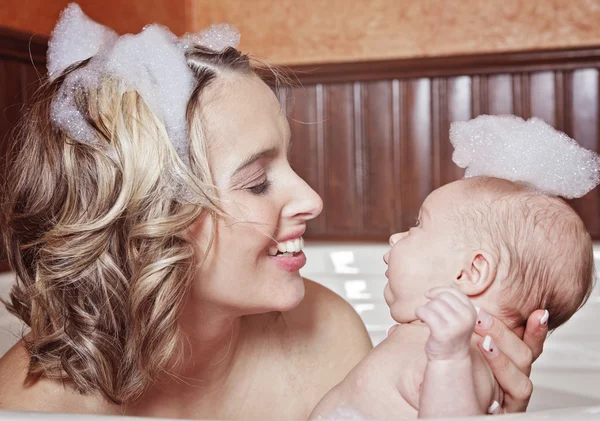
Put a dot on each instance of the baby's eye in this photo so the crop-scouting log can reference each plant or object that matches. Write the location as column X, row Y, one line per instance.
column 417, row 222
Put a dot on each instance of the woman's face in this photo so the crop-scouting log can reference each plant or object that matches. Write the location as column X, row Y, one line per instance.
column 267, row 202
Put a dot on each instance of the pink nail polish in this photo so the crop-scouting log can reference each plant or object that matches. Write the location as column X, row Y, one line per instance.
column 483, row 319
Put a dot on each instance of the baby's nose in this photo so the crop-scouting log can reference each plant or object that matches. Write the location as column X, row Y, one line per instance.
column 395, row 237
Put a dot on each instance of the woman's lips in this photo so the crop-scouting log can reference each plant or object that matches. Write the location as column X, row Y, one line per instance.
column 290, row 263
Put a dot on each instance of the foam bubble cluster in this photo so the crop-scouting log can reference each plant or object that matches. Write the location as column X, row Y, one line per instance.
column 75, row 38
column 152, row 63
column 528, row 151
column 217, row 37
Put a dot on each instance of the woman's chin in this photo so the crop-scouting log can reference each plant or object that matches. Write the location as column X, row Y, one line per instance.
column 284, row 297
column 292, row 295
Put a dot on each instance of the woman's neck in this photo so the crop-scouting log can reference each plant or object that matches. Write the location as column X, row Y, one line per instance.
column 211, row 338
column 222, row 357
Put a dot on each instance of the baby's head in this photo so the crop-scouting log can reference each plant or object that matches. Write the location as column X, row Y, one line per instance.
column 510, row 249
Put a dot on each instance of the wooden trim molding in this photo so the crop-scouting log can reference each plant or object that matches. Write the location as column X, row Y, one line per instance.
column 20, row 46
column 483, row 64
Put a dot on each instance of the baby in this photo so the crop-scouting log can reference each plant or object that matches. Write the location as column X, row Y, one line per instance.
column 480, row 241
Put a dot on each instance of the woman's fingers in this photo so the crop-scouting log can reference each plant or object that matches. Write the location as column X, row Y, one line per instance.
column 514, row 347
column 514, row 382
column 536, row 332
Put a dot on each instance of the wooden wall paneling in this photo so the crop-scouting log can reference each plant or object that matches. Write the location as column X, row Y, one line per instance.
column 398, row 124
column 361, row 169
column 521, row 105
column 584, row 116
column 458, row 108
column 341, row 201
column 372, row 138
column 416, row 145
column 11, row 102
column 542, row 95
column 499, row 94
column 379, row 159
column 561, row 100
column 439, row 121
column 479, row 95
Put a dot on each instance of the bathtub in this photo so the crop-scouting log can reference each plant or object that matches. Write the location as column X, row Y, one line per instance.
column 566, row 377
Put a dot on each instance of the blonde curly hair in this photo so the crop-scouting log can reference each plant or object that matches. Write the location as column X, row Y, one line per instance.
column 102, row 263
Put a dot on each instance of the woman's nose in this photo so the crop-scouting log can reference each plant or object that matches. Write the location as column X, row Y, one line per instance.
column 305, row 203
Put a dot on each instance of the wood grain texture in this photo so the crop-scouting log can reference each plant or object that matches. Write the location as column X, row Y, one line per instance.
column 372, row 139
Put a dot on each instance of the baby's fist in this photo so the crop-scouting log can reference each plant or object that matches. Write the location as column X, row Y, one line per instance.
column 451, row 318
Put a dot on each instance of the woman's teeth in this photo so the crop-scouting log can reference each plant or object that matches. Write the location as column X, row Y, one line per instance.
column 287, row 248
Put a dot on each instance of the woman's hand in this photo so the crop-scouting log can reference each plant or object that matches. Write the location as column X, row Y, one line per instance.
column 511, row 357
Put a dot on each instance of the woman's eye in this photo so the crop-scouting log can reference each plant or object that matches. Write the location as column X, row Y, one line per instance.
column 260, row 188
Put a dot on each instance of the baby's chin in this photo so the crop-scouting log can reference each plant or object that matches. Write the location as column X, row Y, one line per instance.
column 402, row 313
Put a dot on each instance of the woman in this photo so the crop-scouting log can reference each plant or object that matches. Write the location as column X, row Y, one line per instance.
column 158, row 287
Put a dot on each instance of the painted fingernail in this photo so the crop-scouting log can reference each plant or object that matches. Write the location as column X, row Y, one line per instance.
column 495, row 405
column 392, row 328
column 489, row 346
column 545, row 317
column 483, row 319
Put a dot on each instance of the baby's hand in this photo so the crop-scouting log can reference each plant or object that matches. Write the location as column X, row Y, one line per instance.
column 451, row 318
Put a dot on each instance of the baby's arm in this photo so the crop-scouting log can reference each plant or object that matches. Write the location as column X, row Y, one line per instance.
column 448, row 387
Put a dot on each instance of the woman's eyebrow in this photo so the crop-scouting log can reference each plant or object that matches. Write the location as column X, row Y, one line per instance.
column 266, row 153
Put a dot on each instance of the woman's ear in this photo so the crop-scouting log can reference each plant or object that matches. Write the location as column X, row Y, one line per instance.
column 478, row 273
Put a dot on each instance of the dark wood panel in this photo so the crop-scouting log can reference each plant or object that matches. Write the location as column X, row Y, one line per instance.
column 458, row 108
column 342, row 211
column 564, row 94
column 500, row 94
column 416, row 165
column 23, row 47
column 378, row 147
column 584, row 128
column 372, row 138
column 542, row 96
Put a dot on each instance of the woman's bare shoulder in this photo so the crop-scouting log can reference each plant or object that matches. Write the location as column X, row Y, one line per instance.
column 327, row 321
column 43, row 395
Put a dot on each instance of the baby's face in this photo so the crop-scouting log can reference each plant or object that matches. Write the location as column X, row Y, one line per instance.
column 427, row 255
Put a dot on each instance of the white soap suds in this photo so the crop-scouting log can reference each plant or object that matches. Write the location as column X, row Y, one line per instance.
column 528, row 151
column 75, row 38
column 217, row 37
column 152, row 63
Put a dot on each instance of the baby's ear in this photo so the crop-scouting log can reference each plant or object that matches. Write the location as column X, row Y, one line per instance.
column 478, row 273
